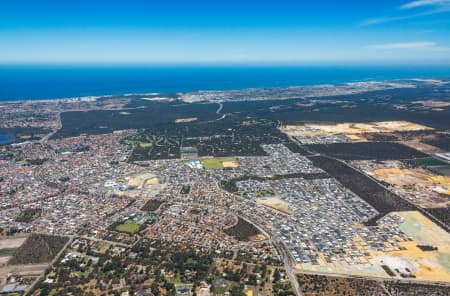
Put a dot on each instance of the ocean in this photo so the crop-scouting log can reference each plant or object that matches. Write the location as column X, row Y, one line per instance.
column 4, row 138
column 46, row 82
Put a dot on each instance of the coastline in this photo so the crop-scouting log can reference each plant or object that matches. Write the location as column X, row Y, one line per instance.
column 92, row 98
column 55, row 83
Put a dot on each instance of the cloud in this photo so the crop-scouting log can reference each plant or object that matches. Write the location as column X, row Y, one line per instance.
column 405, row 45
column 422, row 3
column 430, row 7
column 387, row 19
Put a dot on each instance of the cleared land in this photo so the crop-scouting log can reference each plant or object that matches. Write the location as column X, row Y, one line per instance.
column 413, row 177
column 414, row 262
column 184, row 120
column 11, row 242
column 275, row 203
column 425, row 265
column 422, row 147
column 352, row 128
column 139, row 181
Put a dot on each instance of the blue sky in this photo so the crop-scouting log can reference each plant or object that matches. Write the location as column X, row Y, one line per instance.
column 221, row 32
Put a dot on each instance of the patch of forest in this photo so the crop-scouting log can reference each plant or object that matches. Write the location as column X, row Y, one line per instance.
column 243, row 230
column 312, row 284
column 152, row 205
column 367, row 151
column 38, row 248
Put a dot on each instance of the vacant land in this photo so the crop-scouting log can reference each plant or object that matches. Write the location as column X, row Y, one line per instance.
column 424, row 265
column 38, row 248
column 142, row 180
column 367, row 150
column 418, row 177
column 346, row 128
column 243, row 230
column 275, row 203
column 14, row 242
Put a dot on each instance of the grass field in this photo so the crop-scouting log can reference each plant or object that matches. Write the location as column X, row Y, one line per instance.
column 430, row 162
column 7, row 251
column 128, row 227
column 218, row 163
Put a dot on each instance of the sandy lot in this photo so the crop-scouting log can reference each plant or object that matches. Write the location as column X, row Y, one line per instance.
column 422, row 147
column 144, row 179
column 352, row 128
column 433, row 104
column 413, row 177
column 10, row 243
column 426, row 265
column 184, row 120
column 275, row 203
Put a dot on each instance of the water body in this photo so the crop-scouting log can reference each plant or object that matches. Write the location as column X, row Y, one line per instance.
column 4, row 138
column 42, row 82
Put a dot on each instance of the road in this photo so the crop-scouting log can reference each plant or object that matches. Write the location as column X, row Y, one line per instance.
column 288, row 267
column 58, row 127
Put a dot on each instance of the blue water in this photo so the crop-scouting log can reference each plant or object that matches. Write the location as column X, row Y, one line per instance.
column 39, row 82
column 4, row 138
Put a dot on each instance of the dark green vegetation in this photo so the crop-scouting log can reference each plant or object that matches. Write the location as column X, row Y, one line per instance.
column 158, row 266
column 106, row 121
column 28, row 133
column 148, row 146
column 243, row 230
column 435, row 165
column 29, row 215
column 221, row 138
column 7, row 251
column 430, row 162
column 152, row 205
column 265, row 192
column 313, row 285
column 186, row 264
column 367, row 150
column 247, row 124
column 38, row 248
column 229, row 186
column 441, row 141
column 443, row 214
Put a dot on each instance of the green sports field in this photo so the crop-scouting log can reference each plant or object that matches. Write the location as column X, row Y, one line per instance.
column 216, row 163
column 128, row 228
